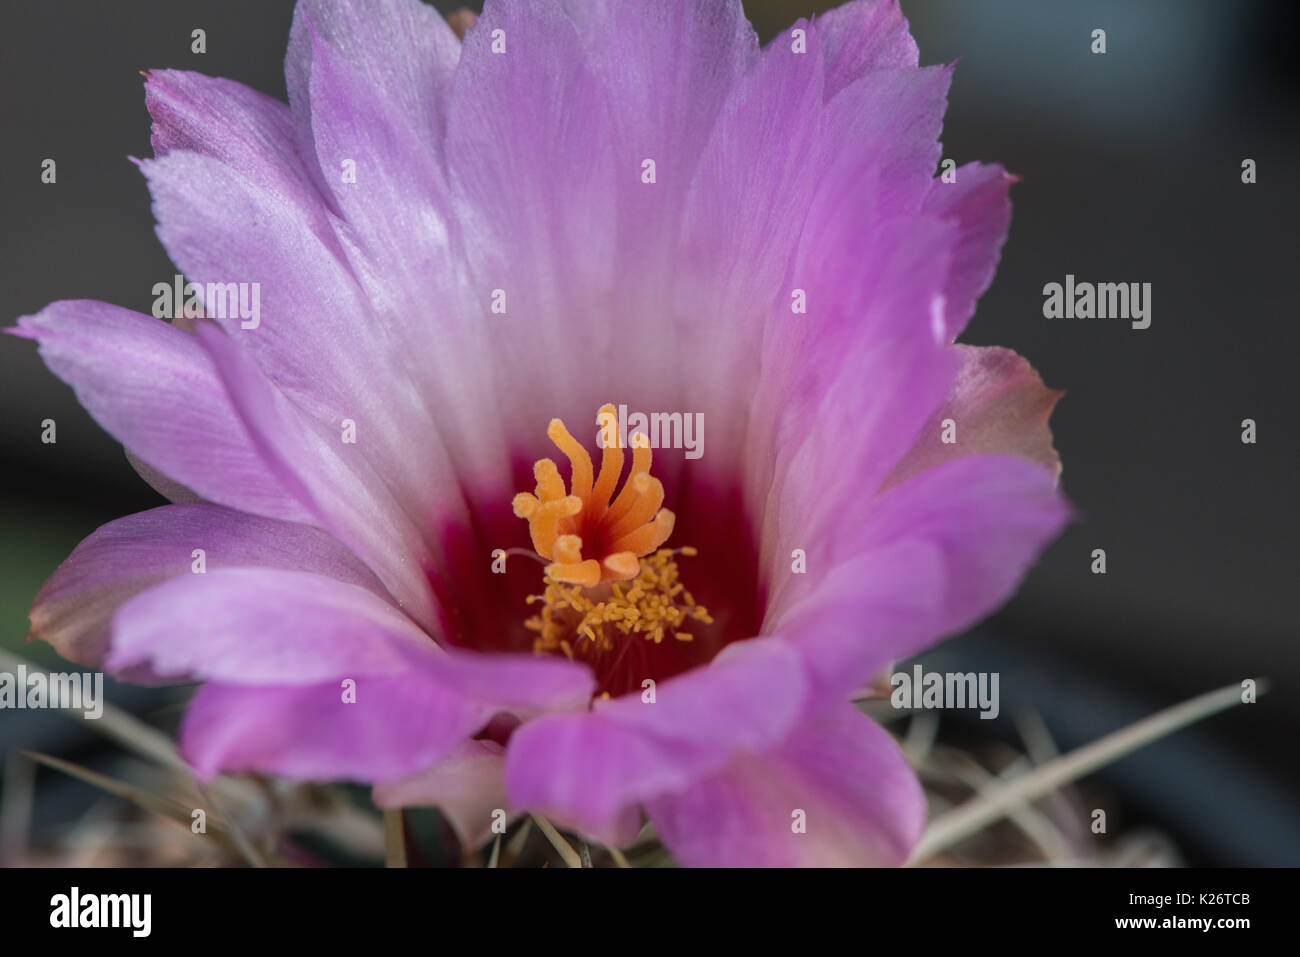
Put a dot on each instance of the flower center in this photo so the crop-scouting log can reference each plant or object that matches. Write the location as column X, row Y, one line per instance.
column 625, row 592
column 614, row 535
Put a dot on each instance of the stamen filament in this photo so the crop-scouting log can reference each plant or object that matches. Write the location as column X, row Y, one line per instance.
column 563, row 522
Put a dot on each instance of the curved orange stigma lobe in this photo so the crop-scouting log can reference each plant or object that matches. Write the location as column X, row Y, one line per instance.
column 568, row 524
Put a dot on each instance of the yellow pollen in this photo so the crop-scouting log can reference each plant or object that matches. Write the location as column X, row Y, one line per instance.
column 581, row 622
column 565, row 524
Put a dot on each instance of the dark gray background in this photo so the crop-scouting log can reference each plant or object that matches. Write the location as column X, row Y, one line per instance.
column 1132, row 172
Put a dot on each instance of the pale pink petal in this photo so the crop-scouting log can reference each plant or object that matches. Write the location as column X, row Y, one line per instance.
column 747, row 204
column 467, row 786
column 334, row 478
column 997, row 405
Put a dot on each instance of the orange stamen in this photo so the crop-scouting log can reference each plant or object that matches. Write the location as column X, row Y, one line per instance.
column 549, row 484
column 560, row 521
column 578, row 459
column 648, row 537
column 611, row 466
column 586, row 573
column 649, row 496
column 640, row 466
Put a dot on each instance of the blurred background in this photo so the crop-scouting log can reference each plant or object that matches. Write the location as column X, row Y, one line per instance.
column 1131, row 164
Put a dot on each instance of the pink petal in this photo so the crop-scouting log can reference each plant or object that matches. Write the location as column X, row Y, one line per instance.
column 262, row 626
column 746, row 205
column 467, row 786
column 979, row 203
column 404, row 243
column 405, row 51
column 850, row 417
column 998, row 404
column 318, row 350
column 227, row 121
column 223, row 224
column 129, row 556
column 154, row 389
column 938, row 552
column 864, row 355
column 340, row 486
column 861, row 804
column 591, row 771
column 398, row 724
column 168, row 488
column 666, row 70
column 530, row 158
column 671, row 65
column 864, row 36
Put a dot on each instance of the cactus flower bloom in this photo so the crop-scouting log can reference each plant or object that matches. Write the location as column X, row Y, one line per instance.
column 467, row 251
